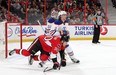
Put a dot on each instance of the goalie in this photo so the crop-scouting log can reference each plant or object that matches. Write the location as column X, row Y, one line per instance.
column 47, row 47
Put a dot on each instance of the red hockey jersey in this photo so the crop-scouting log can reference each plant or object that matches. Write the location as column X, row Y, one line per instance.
column 51, row 45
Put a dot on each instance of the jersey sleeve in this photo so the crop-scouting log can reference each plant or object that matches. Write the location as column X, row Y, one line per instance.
column 50, row 23
column 54, row 29
column 59, row 26
column 56, row 25
column 56, row 45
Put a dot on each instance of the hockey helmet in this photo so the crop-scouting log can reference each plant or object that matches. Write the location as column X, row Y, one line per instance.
column 54, row 14
column 62, row 13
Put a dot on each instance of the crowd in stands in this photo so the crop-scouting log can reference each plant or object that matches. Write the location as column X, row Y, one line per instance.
column 3, row 12
column 114, row 3
column 35, row 8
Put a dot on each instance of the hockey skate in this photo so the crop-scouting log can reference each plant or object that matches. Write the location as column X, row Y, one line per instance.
column 12, row 52
column 30, row 59
column 74, row 60
column 41, row 64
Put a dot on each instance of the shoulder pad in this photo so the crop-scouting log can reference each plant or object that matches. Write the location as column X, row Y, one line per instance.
column 51, row 20
column 58, row 22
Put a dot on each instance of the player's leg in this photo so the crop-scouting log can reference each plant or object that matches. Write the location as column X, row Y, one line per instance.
column 71, row 54
column 44, row 57
column 23, row 52
column 33, row 49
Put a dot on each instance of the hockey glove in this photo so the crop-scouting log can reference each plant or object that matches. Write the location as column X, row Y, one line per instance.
column 63, row 62
column 56, row 64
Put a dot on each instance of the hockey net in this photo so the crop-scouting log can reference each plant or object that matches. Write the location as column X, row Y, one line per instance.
column 11, row 38
column 2, row 38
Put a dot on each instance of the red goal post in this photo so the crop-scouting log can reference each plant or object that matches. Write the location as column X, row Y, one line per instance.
column 13, row 36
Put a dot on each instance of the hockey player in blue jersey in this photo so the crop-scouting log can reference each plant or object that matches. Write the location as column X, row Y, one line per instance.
column 61, row 24
column 55, row 25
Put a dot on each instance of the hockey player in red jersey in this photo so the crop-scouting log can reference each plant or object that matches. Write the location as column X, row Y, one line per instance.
column 61, row 24
column 47, row 47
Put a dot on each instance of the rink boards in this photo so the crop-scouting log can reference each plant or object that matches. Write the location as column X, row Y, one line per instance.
column 77, row 32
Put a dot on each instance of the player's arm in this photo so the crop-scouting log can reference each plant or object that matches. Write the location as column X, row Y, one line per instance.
column 54, row 30
column 54, row 59
column 48, row 27
column 54, row 52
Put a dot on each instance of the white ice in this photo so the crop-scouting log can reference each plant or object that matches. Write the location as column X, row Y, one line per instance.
column 95, row 59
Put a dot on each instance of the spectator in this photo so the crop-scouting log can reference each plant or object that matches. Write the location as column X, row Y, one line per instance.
column 114, row 3
column 23, row 12
column 3, row 13
column 4, row 4
column 71, row 20
column 90, row 18
column 35, row 9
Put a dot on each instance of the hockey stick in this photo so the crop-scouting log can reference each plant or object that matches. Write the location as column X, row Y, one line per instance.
column 44, row 31
column 49, row 69
column 40, row 25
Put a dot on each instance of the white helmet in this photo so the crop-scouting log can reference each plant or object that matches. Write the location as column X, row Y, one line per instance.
column 61, row 13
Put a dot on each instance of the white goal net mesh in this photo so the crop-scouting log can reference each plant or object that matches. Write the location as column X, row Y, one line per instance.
column 2, row 39
column 10, row 38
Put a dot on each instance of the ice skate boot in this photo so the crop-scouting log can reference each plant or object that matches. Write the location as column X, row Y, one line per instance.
column 74, row 60
column 31, row 59
column 12, row 52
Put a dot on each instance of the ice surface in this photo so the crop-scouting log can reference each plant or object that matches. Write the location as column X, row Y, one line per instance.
column 94, row 59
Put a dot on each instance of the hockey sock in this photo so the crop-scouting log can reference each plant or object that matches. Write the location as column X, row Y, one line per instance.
column 69, row 51
column 23, row 52
column 36, row 58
